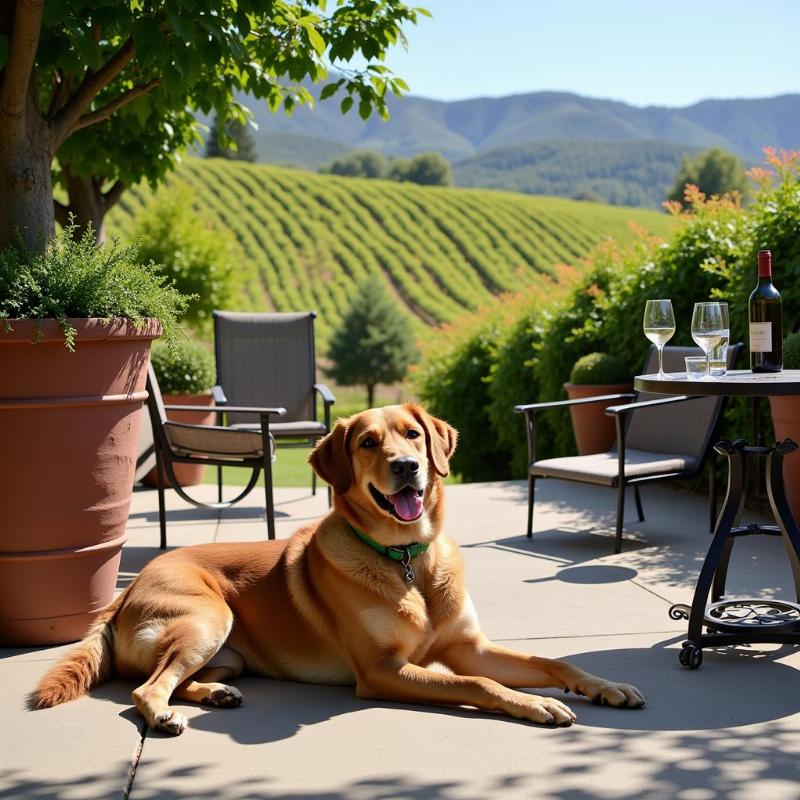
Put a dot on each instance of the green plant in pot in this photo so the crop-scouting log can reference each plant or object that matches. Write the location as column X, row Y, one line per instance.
column 593, row 375
column 186, row 372
column 786, row 422
column 76, row 324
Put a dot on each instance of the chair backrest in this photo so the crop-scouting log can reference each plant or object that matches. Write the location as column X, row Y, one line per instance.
column 267, row 360
column 679, row 428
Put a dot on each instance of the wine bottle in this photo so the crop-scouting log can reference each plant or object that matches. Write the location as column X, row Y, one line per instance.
column 766, row 320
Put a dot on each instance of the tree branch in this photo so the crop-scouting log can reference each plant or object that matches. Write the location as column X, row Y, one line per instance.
column 91, row 85
column 107, row 110
column 21, row 58
column 113, row 194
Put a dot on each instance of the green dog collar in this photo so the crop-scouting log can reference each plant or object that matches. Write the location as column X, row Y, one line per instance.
column 402, row 553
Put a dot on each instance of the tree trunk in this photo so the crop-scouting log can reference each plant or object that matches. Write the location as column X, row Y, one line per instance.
column 26, row 188
column 370, row 395
column 87, row 204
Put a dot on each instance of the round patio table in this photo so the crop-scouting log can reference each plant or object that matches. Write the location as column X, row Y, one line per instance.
column 730, row 621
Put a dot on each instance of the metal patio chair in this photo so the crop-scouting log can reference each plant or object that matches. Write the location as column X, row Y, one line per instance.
column 177, row 442
column 269, row 359
column 658, row 438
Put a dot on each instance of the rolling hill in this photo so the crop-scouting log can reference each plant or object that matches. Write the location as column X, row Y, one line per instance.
column 465, row 128
column 308, row 239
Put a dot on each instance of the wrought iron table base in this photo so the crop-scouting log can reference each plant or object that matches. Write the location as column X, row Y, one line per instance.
column 745, row 620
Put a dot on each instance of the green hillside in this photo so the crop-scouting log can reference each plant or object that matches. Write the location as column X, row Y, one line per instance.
column 307, row 239
column 638, row 173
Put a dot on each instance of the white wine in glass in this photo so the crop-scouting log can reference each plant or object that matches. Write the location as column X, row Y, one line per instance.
column 659, row 327
column 707, row 330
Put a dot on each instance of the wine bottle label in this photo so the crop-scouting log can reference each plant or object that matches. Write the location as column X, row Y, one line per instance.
column 760, row 337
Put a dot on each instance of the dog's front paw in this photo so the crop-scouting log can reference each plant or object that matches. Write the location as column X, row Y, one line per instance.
column 224, row 697
column 170, row 721
column 610, row 693
column 543, row 710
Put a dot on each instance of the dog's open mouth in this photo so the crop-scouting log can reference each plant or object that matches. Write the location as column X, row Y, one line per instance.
column 406, row 504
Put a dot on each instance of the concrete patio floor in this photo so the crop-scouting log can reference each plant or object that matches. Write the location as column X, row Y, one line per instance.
column 729, row 730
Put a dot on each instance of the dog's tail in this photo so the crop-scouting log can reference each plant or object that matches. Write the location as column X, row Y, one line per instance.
column 85, row 666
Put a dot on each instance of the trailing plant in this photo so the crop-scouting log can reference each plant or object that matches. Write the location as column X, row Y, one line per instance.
column 185, row 367
column 72, row 278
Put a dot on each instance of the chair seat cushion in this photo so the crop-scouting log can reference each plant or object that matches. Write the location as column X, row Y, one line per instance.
column 603, row 468
column 285, row 430
column 215, row 441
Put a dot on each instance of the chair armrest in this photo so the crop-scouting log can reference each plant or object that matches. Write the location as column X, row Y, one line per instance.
column 219, row 395
column 325, row 393
column 279, row 412
column 524, row 409
column 614, row 411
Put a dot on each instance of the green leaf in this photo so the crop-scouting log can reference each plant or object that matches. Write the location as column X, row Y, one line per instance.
column 365, row 109
column 317, row 42
column 329, row 91
column 424, row 12
column 401, row 84
column 346, row 104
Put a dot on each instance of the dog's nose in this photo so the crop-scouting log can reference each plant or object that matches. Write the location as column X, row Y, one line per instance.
column 405, row 467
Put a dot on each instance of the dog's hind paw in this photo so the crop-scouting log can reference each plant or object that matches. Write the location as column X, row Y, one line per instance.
column 224, row 697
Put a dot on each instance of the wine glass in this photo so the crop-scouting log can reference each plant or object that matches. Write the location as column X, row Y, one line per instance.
column 719, row 354
column 707, row 330
column 659, row 327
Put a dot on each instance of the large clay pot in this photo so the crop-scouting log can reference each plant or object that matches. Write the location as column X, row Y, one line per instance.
column 786, row 421
column 187, row 474
column 68, row 428
column 594, row 431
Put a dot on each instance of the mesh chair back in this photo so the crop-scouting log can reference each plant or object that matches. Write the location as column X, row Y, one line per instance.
column 679, row 428
column 267, row 360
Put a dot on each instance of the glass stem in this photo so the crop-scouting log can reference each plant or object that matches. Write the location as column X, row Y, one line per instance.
column 661, row 361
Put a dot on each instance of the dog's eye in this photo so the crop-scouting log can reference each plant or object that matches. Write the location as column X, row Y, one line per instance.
column 368, row 441
column 412, row 434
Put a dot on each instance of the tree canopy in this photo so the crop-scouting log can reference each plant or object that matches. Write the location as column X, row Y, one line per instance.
column 110, row 88
column 714, row 172
column 375, row 343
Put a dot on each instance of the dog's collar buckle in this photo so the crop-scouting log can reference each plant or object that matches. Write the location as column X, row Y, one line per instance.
column 401, row 553
column 405, row 561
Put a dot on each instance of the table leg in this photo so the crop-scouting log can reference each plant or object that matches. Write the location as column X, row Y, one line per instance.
column 781, row 510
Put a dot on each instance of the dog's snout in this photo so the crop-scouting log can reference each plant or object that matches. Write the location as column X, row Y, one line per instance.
column 405, row 467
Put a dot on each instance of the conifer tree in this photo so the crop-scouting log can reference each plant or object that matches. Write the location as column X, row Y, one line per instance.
column 240, row 133
column 375, row 343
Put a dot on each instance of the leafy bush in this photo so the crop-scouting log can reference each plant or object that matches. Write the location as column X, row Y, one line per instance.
column 359, row 164
column 598, row 369
column 184, row 367
column 427, row 169
column 200, row 258
column 791, row 351
column 78, row 279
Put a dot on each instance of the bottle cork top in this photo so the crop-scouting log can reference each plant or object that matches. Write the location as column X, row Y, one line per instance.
column 764, row 264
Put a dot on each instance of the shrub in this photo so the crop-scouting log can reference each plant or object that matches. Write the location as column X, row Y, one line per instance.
column 427, row 169
column 791, row 351
column 359, row 164
column 78, row 279
column 184, row 367
column 200, row 259
column 598, row 369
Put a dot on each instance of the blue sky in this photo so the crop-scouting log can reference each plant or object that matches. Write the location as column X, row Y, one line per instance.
column 650, row 52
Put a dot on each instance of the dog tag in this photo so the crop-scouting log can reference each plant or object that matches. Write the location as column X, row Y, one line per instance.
column 409, row 570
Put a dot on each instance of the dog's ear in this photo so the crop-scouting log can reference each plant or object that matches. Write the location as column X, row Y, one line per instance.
column 440, row 439
column 331, row 459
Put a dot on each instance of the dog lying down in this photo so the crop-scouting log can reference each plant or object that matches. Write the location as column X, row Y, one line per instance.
column 371, row 595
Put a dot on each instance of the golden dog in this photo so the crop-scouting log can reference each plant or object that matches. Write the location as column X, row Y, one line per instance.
column 371, row 595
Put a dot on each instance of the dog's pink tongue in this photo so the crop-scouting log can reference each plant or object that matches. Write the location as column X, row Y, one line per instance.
column 407, row 503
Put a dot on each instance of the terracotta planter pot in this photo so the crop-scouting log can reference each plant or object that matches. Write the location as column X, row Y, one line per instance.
column 69, row 427
column 187, row 474
column 786, row 421
column 594, row 431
